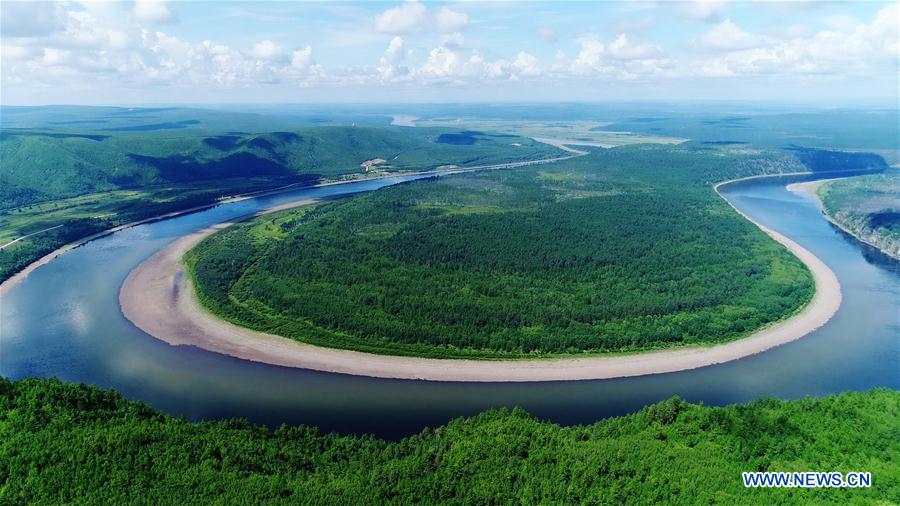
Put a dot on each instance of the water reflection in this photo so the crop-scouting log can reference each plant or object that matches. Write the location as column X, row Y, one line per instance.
column 64, row 321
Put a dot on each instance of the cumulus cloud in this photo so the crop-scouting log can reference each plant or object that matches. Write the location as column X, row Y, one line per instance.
column 623, row 49
column 526, row 65
column 30, row 19
column 302, row 58
column 267, row 50
column 412, row 17
column 449, row 21
column 445, row 64
column 729, row 36
column 99, row 44
column 406, row 18
column 153, row 11
column 701, row 10
column 110, row 45
column 621, row 58
column 390, row 65
column 867, row 49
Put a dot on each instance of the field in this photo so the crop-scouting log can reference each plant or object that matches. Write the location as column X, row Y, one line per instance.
column 875, row 131
column 866, row 206
column 53, row 435
column 625, row 249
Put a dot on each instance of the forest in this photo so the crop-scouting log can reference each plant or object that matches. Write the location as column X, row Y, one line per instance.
column 66, row 443
column 128, row 166
column 625, row 249
column 46, row 164
column 866, row 206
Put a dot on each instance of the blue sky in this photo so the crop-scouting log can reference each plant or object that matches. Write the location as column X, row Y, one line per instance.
column 257, row 52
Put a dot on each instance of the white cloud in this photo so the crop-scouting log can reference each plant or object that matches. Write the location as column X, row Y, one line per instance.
column 729, row 36
column 453, row 40
column 620, row 59
column 622, row 49
column 701, row 10
column 868, row 49
column 413, row 16
column 390, row 64
column 302, row 58
column 449, row 21
column 445, row 64
column 441, row 62
column 526, row 65
column 53, row 56
column 403, row 19
column 267, row 50
column 104, row 46
column 30, row 19
column 590, row 56
column 153, row 11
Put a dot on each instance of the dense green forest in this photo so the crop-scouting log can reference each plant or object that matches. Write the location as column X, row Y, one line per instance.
column 64, row 443
column 93, row 180
column 42, row 165
column 868, row 207
column 625, row 249
column 59, row 222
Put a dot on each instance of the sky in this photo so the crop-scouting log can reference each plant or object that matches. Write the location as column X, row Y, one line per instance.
column 133, row 53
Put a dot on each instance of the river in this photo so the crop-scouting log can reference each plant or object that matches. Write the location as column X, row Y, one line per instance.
column 64, row 321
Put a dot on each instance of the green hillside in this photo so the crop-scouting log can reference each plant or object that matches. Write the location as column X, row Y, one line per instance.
column 44, row 165
column 867, row 206
column 64, row 185
column 625, row 249
column 62, row 443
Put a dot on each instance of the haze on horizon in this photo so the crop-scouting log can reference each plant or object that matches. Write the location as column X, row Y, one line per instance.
column 297, row 52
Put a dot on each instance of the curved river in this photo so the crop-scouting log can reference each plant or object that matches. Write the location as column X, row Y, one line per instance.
column 64, row 320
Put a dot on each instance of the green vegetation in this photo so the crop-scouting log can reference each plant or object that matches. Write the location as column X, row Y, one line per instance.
column 868, row 207
column 62, row 443
column 581, row 132
column 67, row 185
column 42, row 165
column 622, row 250
column 869, row 130
column 58, row 222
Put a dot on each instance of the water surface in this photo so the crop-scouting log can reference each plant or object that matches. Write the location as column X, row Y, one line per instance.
column 64, row 320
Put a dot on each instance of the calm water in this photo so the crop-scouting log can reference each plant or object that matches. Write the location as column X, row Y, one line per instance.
column 64, row 321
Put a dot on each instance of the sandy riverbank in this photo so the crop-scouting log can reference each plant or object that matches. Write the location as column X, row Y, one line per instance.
column 808, row 187
column 811, row 188
column 158, row 299
column 7, row 284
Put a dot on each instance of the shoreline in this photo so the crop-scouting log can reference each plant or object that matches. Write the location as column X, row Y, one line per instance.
column 11, row 281
column 810, row 188
column 158, row 298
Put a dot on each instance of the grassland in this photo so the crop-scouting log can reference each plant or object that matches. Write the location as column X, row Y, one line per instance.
column 62, row 443
column 867, row 207
column 874, row 131
column 574, row 132
column 622, row 250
